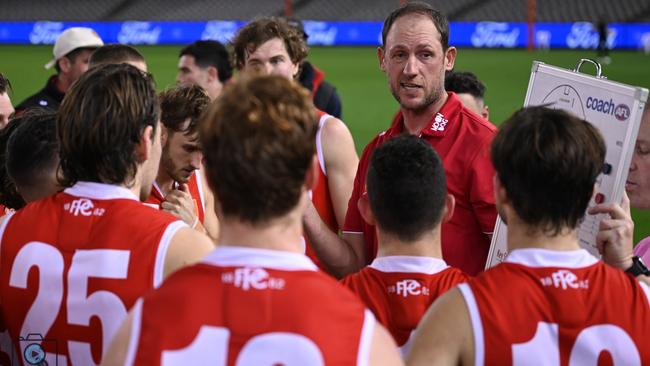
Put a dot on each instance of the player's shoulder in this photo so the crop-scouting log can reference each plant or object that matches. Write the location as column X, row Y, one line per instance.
column 475, row 122
column 356, row 279
column 314, row 284
column 186, row 285
column 140, row 210
column 43, row 210
column 453, row 274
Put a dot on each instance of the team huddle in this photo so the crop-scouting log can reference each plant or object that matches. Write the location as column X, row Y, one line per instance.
column 229, row 221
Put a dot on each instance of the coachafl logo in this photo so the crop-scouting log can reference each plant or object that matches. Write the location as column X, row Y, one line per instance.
column 622, row 112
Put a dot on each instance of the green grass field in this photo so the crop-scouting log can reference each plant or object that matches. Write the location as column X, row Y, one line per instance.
column 367, row 103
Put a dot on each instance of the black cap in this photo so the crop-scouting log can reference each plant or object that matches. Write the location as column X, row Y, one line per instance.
column 296, row 24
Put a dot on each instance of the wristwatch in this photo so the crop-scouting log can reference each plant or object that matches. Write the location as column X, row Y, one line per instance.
column 638, row 267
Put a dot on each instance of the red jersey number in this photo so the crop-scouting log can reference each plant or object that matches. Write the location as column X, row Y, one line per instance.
column 81, row 306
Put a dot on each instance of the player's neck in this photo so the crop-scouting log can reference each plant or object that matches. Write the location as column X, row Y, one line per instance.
column 283, row 233
column 523, row 236
column 416, row 120
column 62, row 83
column 164, row 182
column 428, row 245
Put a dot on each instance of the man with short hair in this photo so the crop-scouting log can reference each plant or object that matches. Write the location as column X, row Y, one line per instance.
column 180, row 188
column 6, row 108
column 470, row 90
column 246, row 301
column 32, row 156
column 415, row 56
column 71, row 52
column 562, row 305
column 409, row 272
column 73, row 264
column 117, row 54
column 206, row 64
column 269, row 45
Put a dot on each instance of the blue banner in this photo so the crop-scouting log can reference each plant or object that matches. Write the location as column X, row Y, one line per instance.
column 462, row 34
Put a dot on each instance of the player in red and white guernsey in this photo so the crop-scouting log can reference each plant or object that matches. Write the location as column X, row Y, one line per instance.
column 409, row 272
column 180, row 187
column 270, row 46
column 73, row 264
column 550, row 302
column 245, row 303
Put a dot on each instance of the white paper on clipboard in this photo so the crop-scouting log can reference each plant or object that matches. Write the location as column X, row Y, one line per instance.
column 614, row 108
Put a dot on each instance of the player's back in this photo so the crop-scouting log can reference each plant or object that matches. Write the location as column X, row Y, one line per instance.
column 73, row 264
column 557, row 308
column 250, row 306
column 400, row 289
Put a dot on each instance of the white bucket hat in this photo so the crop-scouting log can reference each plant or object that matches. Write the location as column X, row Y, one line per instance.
column 71, row 39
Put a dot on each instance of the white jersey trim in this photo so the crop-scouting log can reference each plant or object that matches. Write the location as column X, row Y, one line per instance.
column 100, row 191
column 199, row 185
column 156, row 187
column 5, row 222
column 409, row 264
column 477, row 325
column 134, row 337
column 365, row 341
column 319, row 143
column 646, row 291
column 163, row 248
column 538, row 258
column 231, row 256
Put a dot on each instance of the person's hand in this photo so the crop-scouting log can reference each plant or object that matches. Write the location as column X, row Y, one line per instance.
column 179, row 202
column 615, row 234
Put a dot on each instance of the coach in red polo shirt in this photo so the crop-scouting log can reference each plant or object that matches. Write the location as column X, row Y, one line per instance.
column 415, row 56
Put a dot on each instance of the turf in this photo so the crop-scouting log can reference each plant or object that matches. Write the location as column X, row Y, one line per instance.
column 367, row 103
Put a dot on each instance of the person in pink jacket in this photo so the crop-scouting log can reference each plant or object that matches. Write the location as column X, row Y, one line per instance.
column 638, row 179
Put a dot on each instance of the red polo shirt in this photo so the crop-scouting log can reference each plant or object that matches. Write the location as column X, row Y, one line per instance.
column 462, row 139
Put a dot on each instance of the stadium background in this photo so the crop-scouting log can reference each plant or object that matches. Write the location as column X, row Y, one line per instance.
column 367, row 103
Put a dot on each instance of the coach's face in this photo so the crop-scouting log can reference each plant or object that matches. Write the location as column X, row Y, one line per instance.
column 638, row 179
column 414, row 61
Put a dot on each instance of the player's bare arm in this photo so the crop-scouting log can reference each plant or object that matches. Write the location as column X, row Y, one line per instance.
column 341, row 163
column 444, row 336
column 341, row 255
column 118, row 349
column 383, row 350
column 187, row 247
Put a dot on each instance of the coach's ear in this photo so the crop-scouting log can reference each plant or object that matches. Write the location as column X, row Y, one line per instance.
column 364, row 209
column 450, row 58
column 380, row 56
column 145, row 145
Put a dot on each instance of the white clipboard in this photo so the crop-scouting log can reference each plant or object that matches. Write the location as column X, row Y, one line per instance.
column 614, row 108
